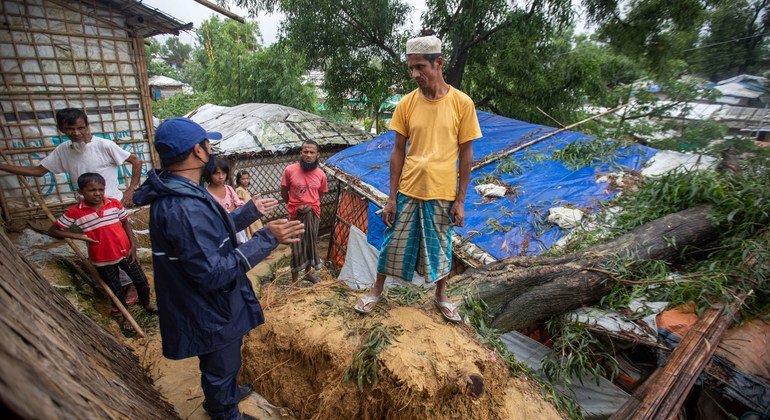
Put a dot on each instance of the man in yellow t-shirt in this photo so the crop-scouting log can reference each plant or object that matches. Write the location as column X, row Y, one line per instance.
column 439, row 123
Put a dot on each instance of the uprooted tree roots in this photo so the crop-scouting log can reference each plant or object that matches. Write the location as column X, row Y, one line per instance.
column 318, row 357
column 322, row 360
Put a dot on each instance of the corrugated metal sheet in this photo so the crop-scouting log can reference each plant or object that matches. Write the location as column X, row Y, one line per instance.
column 733, row 116
column 271, row 128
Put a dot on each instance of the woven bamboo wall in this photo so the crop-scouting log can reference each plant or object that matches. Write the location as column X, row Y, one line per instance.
column 266, row 171
column 56, row 54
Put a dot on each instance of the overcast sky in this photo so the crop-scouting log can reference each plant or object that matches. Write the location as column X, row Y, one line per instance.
column 190, row 11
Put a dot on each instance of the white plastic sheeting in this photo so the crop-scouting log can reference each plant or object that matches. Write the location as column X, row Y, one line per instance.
column 360, row 266
column 565, row 217
column 732, row 116
column 644, row 328
column 490, row 190
column 255, row 128
column 736, row 86
column 596, row 401
column 668, row 160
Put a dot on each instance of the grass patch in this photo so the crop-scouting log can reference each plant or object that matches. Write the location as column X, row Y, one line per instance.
column 405, row 295
column 364, row 369
column 277, row 273
column 146, row 321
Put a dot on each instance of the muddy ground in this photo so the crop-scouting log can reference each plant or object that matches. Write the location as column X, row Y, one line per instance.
column 300, row 358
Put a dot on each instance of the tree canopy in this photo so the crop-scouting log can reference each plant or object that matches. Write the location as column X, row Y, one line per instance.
column 490, row 45
column 736, row 41
column 232, row 67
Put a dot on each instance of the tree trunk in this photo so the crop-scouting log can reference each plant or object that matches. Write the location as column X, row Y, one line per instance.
column 522, row 290
column 56, row 363
column 455, row 68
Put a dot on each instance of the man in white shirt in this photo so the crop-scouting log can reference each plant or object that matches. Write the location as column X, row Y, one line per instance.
column 85, row 153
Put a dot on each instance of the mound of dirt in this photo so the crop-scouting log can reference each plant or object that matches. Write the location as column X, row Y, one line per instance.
column 430, row 369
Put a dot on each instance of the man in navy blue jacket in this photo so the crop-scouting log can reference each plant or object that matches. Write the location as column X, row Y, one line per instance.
column 205, row 301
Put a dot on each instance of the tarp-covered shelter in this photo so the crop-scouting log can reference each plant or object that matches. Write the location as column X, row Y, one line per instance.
column 263, row 139
column 86, row 54
column 495, row 228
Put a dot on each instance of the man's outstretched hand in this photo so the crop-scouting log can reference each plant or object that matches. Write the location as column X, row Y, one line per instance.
column 286, row 231
column 264, row 205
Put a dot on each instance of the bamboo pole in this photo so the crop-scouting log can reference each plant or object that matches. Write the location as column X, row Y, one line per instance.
column 50, row 148
column 549, row 117
column 492, row 158
column 663, row 394
column 65, row 92
column 71, row 243
column 145, row 100
column 221, row 10
column 59, row 33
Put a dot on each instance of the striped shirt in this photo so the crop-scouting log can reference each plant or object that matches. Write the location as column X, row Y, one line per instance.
column 104, row 225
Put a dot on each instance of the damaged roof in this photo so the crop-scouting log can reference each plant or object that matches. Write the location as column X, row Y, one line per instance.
column 145, row 20
column 515, row 224
column 270, row 128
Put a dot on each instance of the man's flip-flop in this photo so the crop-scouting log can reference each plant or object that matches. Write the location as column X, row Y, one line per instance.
column 364, row 301
column 448, row 307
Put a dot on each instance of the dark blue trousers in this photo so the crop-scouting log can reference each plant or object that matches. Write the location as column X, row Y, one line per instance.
column 219, row 372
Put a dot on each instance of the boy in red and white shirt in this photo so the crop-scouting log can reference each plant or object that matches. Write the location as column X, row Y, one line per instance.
column 111, row 244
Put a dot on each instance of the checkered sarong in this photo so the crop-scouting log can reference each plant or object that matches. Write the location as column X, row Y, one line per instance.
column 419, row 240
column 304, row 253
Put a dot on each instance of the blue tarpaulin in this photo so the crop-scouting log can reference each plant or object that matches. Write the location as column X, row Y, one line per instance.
column 511, row 225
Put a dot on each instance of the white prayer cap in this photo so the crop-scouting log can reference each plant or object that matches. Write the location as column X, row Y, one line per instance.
column 424, row 45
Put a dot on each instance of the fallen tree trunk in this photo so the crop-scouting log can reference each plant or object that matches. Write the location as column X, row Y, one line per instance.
column 522, row 290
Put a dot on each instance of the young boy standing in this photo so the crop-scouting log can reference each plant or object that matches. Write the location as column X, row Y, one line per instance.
column 111, row 244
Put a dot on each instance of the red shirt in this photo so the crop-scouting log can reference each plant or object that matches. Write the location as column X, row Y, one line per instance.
column 104, row 225
column 304, row 188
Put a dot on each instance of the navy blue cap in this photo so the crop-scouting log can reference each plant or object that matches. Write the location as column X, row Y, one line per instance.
column 178, row 135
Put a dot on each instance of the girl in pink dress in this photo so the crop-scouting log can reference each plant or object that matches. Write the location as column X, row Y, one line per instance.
column 216, row 184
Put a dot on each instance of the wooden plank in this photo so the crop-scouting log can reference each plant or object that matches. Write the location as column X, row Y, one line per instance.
column 664, row 393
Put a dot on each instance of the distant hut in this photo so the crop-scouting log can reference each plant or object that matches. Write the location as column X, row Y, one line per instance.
column 82, row 53
column 163, row 87
column 263, row 139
